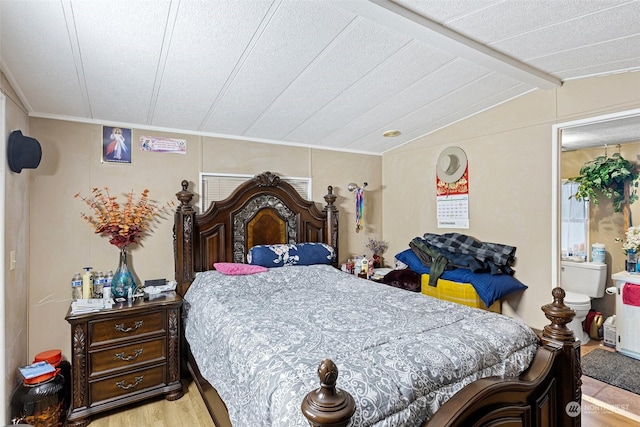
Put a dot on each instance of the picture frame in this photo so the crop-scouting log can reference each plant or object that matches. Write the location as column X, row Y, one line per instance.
column 116, row 144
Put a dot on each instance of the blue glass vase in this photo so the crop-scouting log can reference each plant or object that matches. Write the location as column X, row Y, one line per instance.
column 122, row 277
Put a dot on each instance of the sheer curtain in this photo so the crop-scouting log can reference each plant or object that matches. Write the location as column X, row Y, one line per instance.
column 575, row 223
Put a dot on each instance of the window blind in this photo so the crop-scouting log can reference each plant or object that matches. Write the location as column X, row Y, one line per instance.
column 575, row 222
column 219, row 186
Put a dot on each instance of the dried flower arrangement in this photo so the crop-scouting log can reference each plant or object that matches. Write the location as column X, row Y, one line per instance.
column 378, row 247
column 124, row 224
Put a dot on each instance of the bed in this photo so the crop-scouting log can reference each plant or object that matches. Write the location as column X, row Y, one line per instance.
column 266, row 211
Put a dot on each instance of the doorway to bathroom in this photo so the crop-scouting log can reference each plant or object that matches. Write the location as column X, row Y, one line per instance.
column 574, row 144
column 597, row 136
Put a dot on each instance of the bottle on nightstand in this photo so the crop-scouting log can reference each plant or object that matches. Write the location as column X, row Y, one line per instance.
column 364, row 268
column 98, row 285
column 87, row 283
column 106, row 290
column 76, row 287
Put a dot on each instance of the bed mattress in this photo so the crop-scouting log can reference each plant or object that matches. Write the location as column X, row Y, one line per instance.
column 258, row 339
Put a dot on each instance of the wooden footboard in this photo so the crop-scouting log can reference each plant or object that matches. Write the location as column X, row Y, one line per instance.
column 547, row 394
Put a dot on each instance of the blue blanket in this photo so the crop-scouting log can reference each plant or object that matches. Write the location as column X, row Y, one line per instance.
column 490, row 287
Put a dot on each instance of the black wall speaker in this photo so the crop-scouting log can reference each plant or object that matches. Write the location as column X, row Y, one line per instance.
column 23, row 152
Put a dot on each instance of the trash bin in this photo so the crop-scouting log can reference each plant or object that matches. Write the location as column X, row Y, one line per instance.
column 610, row 331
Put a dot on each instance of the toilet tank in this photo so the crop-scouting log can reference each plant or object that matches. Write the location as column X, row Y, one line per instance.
column 586, row 278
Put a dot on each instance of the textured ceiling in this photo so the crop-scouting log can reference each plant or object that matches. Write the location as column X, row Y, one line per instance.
column 332, row 74
column 605, row 133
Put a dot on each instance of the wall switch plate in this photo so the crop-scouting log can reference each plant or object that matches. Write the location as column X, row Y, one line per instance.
column 12, row 260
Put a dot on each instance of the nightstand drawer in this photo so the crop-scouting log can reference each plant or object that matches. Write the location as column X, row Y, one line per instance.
column 126, row 327
column 122, row 385
column 128, row 356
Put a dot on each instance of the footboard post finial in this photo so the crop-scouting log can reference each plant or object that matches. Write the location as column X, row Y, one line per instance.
column 328, row 406
column 569, row 372
column 559, row 315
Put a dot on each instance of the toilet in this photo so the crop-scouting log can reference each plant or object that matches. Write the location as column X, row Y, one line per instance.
column 582, row 281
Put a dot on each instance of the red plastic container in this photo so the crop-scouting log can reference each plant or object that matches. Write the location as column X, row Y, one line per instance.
column 55, row 358
column 44, row 400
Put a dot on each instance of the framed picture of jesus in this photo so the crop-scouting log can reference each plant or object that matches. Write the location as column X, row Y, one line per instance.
column 116, row 144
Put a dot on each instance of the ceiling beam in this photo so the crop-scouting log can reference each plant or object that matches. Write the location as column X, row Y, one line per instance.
column 396, row 17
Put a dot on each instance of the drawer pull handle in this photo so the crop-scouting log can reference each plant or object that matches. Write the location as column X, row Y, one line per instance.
column 135, row 354
column 120, row 327
column 120, row 384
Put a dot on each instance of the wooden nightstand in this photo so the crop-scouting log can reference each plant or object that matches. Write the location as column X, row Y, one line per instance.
column 123, row 355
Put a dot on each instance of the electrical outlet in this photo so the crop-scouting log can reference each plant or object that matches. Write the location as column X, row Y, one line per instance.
column 12, row 260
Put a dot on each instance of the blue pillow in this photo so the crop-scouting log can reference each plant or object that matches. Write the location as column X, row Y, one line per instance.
column 489, row 287
column 409, row 258
column 291, row 254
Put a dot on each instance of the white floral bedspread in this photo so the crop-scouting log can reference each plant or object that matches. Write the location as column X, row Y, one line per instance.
column 259, row 338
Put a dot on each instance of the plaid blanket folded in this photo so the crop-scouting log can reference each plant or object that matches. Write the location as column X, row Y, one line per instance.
column 501, row 255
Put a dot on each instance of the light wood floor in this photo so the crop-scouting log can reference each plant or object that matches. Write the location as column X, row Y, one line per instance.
column 190, row 411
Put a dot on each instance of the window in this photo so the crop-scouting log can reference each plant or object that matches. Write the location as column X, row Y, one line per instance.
column 575, row 222
column 219, row 186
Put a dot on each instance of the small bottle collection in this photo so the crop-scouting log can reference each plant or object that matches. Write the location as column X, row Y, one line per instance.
column 91, row 285
column 92, row 291
column 360, row 266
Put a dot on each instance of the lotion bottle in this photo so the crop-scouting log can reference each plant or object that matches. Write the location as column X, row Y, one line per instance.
column 87, row 283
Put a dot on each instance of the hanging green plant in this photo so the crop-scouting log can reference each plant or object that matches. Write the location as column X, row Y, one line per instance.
column 607, row 176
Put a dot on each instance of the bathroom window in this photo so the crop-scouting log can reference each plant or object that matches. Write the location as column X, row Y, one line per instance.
column 575, row 222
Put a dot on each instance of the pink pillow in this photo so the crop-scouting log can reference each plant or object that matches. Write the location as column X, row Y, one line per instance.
column 235, row 268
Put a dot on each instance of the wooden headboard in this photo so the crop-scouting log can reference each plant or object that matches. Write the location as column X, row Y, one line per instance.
column 262, row 211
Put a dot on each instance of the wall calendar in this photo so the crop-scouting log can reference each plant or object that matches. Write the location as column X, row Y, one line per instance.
column 453, row 202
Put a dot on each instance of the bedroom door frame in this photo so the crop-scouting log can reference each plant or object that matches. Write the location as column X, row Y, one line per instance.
column 556, row 180
column 3, row 172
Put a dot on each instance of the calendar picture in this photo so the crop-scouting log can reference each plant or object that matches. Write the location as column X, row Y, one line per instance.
column 452, row 189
